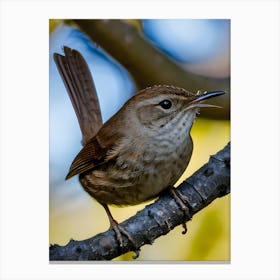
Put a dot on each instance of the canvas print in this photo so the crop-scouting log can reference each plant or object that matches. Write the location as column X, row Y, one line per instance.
column 139, row 140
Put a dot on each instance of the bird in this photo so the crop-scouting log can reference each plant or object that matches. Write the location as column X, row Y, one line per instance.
column 141, row 151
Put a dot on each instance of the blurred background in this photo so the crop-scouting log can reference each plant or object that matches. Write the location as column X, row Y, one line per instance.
column 124, row 56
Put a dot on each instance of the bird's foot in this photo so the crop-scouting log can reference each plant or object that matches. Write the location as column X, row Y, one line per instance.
column 184, row 205
column 120, row 231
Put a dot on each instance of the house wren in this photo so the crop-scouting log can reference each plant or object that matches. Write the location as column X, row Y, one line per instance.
column 141, row 150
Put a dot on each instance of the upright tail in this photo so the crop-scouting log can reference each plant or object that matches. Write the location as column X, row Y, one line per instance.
column 78, row 81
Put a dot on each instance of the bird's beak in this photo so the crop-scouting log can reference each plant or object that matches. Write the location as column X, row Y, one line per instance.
column 196, row 102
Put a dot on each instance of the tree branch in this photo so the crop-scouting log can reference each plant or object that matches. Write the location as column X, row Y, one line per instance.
column 208, row 183
column 149, row 66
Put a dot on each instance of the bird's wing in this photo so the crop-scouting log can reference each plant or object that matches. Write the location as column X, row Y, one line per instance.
column 92, row 155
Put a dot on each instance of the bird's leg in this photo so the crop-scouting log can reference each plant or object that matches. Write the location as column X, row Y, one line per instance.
column 119, row 230
column 183, row 204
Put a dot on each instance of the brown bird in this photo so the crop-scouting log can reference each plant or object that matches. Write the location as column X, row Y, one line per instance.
column 141, row 150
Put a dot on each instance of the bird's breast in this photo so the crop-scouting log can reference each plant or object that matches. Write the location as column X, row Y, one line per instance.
column 139, row 173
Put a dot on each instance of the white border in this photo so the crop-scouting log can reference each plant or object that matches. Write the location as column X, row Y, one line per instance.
column 255, row 138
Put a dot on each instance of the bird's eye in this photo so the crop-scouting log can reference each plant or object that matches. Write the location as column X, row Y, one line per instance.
column 165, row 104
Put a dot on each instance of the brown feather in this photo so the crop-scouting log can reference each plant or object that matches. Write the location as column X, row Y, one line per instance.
column 81, row 90
column 99, row 150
